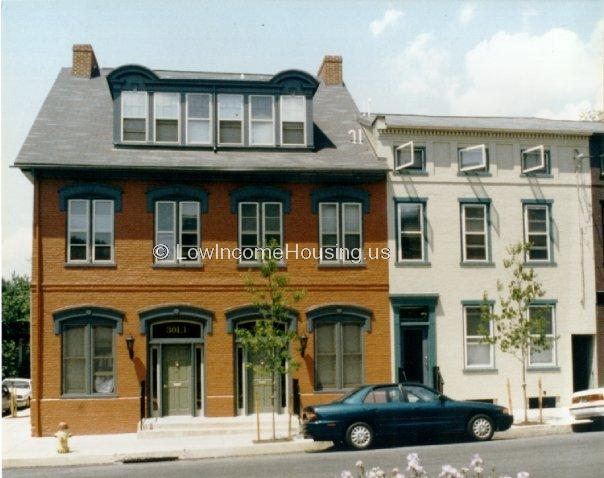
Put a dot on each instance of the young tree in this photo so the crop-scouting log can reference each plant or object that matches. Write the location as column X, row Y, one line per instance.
column 15, row 326
column 514, row 331
column 270, row 338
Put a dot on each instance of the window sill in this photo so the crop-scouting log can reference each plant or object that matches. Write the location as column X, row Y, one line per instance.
column 178, row 266
column 88, row 265
column 412, row 264
column 540, row 264
column 342, row 265
column 480, row 370
column 476, row 264
column 483, row 174
column 88, row 397
column 543, row 368
column 537, row 175
column 411, row 172
column 257, row 265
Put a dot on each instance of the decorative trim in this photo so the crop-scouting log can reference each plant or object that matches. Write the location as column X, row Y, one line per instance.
column 176, row 311
column 260, row 194
column 414, row 299
column 474, row 200
column 537, row 201
column 90, row 191
column 338, row 313
column 251, row 312
column 177, row 192
column 410, row 199
column 476, row 302
column 304, row 78
column 128, row 70
column 393, row 131
column 88, row 314
column 339, row 194
column 551, row 302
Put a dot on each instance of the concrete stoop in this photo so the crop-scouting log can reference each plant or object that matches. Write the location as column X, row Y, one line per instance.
column 169, row 427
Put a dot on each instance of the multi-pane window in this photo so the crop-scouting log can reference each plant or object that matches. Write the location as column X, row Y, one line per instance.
column 262, row 121
column 479, row 354
column 340, row 232
column 410, row 157
column 177, row 224
column 535, row 160
column 293, row 120
column 411, row 231
column 543, row 315
column 473, row 158
column 537, row 231
column 134, row 115
column 474, row 232
column 167, row 117
column 199, row 122
column 260, row 225
column 88, row 365
column 230, row 119
column 90, row 230
column 338, row 355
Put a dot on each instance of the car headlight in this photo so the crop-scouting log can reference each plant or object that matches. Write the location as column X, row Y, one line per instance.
column 310, row 415
column 505, row 410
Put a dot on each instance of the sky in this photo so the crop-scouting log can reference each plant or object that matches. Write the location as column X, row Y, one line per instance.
column 494, row 58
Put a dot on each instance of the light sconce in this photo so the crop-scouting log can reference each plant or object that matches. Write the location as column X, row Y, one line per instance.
column 303, row 343
column 130, row 345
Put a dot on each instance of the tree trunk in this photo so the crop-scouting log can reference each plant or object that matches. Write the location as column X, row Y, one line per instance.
column 524, row 395
column 273, row 402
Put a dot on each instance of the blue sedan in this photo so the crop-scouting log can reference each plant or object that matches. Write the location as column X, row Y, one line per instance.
column 395, row 410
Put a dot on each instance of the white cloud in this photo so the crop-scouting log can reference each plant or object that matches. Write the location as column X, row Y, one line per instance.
column 16, row 247
column 466, row 13
column 390, row 17
column 555, row 74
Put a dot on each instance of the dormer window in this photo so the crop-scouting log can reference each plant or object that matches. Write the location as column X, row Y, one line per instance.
column 199, row 114
column 262, row 120
column 134, row 116
column 167, row 116
column 293, row 120
column 230, row 119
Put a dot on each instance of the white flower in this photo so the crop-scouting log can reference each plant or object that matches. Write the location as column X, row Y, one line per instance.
column 478, row 470
column 449, row 472
column 523, row 474
column 359, row 464
column 476, row 461
column 371, row 474
column 346, row 474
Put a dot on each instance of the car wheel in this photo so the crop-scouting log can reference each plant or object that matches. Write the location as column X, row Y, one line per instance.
column 480, row 428
column 359, row 436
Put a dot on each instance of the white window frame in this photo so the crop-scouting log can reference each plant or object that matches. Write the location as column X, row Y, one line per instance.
column 472, row 233
column 541, row 149
column 411, row 145
column 271, row 121
column 483, row 166
column 220, row 119
column 421, row 231
column 304, row 121
column 192, row 118
column 338, row 219
column 180, row 231
column 340, row 232
column 173, row 231
column 155, row 117
column 258, row 232
column 93, row 238
column 359, row 232
column 122, row 117
column 468, row 338
column 547, row 232
column 551, row 336
column 70, row 230
column 264, row 229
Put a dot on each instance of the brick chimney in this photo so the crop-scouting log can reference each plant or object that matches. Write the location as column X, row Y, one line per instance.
column 331, row 70
column 84, row 62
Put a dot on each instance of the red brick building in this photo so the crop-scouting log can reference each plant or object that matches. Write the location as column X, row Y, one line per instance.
column 126, row 159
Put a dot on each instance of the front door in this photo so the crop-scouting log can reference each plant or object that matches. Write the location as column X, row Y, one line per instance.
column 414, row 354
column 259, row 386
column 176, row 377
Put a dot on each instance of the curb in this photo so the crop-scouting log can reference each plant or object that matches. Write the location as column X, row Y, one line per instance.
column 528, row 431
column 74, row 459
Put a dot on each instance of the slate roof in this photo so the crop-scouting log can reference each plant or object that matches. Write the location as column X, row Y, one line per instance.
column 74, row 130
column 486, row 123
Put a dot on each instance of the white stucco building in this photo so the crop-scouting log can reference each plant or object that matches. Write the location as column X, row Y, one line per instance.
column 470, row 188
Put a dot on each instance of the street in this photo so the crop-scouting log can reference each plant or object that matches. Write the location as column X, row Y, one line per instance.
column 560, row 456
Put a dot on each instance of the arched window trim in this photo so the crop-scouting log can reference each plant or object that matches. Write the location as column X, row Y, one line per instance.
column 91, row 314
column 177, row 192
column 90, row 191
column 340, row 194
column 246, row 313
column 339, row 313
column 260, row 194
column 175, row 312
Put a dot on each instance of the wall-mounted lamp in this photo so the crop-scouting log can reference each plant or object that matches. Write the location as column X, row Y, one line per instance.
column 130, row 345
column 303, row 343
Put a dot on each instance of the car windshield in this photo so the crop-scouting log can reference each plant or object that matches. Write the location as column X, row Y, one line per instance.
column 17, row 383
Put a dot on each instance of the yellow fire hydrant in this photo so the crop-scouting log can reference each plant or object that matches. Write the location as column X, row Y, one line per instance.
column 63, row 436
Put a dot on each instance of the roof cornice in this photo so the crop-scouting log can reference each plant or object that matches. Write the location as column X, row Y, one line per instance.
column 394, row 131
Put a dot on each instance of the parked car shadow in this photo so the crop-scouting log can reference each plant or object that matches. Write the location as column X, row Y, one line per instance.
column 410, row 440
column 594, row 426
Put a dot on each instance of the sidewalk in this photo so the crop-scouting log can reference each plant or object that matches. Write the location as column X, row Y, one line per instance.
column 19, row 449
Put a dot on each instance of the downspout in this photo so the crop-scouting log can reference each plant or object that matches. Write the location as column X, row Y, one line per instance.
column 40, row 305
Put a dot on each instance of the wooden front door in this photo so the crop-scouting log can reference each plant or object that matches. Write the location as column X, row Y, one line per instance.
column 176, row 377
column 259, row 387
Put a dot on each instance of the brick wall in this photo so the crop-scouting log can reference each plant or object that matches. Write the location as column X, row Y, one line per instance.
column 133, row 285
